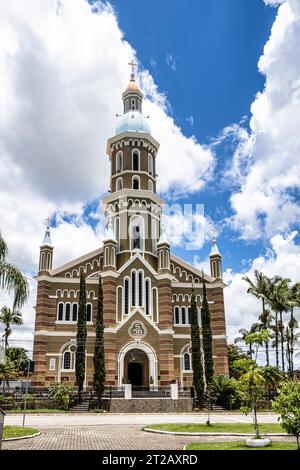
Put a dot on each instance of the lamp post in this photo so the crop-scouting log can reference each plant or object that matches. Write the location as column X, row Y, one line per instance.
column 2, row 416
column 29, row 368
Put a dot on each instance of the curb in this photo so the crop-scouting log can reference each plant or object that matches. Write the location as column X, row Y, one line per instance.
column 212, row 434
column 21, row 437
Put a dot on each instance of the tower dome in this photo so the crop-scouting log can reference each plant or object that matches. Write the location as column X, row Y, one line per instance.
column 133, row 121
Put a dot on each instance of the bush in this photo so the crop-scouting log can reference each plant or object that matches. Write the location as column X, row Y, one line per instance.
column 61, row 394
column 227, row 392
column 287, row 404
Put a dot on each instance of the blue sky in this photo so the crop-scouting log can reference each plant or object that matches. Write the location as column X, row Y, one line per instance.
column 203, row 56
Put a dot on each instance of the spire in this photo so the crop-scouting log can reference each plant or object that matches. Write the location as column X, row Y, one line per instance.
column 47, row 236
column 132, row 84
column 214, row 248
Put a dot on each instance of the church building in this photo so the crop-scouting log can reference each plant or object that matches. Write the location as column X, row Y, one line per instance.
column 147, row 290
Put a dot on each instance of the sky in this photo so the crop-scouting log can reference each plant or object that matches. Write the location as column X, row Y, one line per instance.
column 221, row 80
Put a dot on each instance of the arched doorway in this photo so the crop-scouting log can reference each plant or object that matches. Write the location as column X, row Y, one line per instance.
column 148, row 362
column 136, row 368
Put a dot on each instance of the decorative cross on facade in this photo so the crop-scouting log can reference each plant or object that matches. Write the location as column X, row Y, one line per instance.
column 48, row 222
column 132, row 65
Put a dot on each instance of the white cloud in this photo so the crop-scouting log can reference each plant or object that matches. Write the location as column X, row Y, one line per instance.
column 171, row 62
column 63, row 69
column 266, row 164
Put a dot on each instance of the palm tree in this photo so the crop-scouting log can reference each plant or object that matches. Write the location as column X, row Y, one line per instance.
column 9, row 317
column 11, row 278
column 7, row 371
column 265, row 323
column 242, row 339
column 18, row 357
column 294, row 301
column 260, row 288
column 278, row 300
column 272, row 378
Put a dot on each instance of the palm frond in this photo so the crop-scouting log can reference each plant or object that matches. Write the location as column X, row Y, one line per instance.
column 12, row 279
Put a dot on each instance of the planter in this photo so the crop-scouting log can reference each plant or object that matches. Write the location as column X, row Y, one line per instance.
column 252, row 442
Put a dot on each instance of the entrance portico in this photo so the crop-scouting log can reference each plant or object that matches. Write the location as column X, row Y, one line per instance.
column 137, row 364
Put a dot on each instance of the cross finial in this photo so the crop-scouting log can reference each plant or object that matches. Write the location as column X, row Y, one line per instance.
column 132, row 65
column 48, row 221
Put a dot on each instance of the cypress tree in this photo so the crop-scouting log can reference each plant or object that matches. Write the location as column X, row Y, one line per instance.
column 207, row 339
column 81, row 337
column 196, row 352
column 99, row 356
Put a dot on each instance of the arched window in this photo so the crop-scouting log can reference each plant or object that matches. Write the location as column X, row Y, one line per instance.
column 150, row 185
column 68, row 312
column 117, row 231
column 67, row 360
column 150, row 164
column 89, row 310
column 74, row 312
column 176, row 316
column 119, row 164
column 136, row 160
column 135, row 182
column 133, row 288
column 141, row 280
column 126, row 296
column 183, row 316
column 60, row 311
column 137, row 233
column 119, row 184
column 187, row 366
column 147, row 296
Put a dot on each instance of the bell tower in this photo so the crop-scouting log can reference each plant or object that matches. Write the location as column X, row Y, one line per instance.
column 132, row 203
column 215, row 261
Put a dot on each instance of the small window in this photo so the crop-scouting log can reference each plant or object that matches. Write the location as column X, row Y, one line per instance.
column 74, row 312
column 150, row 164
column 147, row 296
column 68, row 312
column 150, row 185
column 189, row 315
column 89, row 312
column 140, row 288
column 52, row 363
column 67, row 360
column 119, row 164
column 183, row 316
column 135, row 183
column 60, row 312
column 133, row 105
column 136, row 161
column 133, row 290
column 187, row 362
column 126, row 296
column 119, row 185
column 176, row 315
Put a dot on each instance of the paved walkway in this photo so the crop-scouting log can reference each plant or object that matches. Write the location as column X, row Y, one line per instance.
column 105, row 437
column 115, row 431
column 92, row 419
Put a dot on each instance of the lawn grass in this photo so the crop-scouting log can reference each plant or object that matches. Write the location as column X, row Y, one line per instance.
column 240, row 446
column 18, row 431
column 219, row 428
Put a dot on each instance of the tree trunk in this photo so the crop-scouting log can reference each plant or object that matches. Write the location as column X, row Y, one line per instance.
column 276, row 340
column 282, row 342
column 292, row 344
column 267, row 353
column 298, row 441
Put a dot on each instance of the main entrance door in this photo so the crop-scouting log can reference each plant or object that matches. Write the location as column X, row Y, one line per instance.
column 136, row 368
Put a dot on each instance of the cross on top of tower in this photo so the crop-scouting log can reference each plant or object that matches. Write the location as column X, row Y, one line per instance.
column 132, row 65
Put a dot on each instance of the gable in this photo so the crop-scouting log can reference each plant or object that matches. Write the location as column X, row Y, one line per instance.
column 185, row 272
column 91, row 263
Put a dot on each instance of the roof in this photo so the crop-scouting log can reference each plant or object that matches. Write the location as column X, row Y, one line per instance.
column 133, row 121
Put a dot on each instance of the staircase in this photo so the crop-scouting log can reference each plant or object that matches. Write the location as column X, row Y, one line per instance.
column 82, row 407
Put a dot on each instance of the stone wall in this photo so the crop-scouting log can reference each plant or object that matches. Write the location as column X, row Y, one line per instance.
column 151, row 405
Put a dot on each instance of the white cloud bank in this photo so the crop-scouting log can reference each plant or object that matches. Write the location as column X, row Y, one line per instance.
column 63, row 68
column 267, row 164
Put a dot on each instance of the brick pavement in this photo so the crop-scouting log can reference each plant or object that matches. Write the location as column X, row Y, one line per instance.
column 104, row 437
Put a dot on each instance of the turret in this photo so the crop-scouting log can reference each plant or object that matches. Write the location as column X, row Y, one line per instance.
column 46, row 251
column 215, row 261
